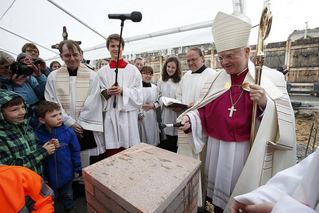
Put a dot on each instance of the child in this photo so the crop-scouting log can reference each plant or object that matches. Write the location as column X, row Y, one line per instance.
column 148, row 126
column 18, row 143
column 166, row 87
column 59, row 168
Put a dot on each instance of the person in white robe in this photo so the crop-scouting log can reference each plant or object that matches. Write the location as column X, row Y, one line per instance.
column 222, row 118
column 167, row 87
column 295, row 189
column 148, row 126
column 120, row 119
column 75, row 88
column 188, row 93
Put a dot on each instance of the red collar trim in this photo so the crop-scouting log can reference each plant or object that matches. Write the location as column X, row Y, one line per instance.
column 122, row 63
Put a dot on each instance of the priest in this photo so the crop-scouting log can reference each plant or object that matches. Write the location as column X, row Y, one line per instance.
column 189, row 89
column 188, row 92
column 222, row 118
column 75, row 88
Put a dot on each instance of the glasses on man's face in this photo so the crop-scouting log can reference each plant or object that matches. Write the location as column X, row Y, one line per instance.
column 32, row 50
column 69, row 55
column 229, row 56
column 192, row 60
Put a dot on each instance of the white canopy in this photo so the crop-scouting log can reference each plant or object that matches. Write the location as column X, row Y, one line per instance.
column 41, row 22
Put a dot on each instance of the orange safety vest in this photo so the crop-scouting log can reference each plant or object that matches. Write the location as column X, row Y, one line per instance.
column 17, row 183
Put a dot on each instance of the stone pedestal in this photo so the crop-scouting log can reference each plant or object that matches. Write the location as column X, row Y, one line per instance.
column 143, row 178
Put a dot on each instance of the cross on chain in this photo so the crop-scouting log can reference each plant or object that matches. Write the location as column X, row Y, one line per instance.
column 231, row 110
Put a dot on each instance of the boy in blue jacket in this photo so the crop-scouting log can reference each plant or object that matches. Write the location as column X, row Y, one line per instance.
column 59, row 168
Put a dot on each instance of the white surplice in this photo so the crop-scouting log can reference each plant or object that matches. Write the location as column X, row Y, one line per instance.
column 167, row 89
column 121, row 123
column 149, row 130
column 188, row 92
column 295, row 189
column 90, row 117
column 191, row 85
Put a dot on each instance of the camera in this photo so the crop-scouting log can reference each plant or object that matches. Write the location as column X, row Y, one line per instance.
column 36, row 61
column 20, row 68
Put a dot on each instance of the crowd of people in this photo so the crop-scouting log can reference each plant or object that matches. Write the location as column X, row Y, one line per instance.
column 57, row 120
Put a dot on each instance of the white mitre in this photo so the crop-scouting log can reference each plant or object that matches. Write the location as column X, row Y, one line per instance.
column 230, row 31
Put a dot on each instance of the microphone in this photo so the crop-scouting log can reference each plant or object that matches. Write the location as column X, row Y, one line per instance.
column 134, row 16
column 170, row 125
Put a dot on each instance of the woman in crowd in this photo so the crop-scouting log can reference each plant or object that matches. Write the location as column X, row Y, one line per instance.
column 166, row 87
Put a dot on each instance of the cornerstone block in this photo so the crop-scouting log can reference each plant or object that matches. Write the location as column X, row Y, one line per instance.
column 143, row 178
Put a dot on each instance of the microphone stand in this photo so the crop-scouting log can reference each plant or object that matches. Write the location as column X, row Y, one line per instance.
column 117, row 60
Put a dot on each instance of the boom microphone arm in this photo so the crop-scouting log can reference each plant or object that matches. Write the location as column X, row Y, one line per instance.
column 135, row 17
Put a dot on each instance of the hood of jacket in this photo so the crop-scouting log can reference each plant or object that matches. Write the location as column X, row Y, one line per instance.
column 5, row 97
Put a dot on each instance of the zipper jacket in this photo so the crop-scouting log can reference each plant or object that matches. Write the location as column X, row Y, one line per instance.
column 60, row 167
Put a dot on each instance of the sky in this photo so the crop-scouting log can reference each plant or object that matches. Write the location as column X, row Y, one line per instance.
column 41, row 21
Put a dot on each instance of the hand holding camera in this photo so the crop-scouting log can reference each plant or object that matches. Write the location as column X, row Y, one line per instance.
column 18, row 79
column 26, row 65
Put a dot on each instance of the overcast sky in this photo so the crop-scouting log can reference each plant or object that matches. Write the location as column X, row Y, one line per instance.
column 44, row 24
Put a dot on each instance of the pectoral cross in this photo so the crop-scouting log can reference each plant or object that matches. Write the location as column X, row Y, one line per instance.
column 231, row 110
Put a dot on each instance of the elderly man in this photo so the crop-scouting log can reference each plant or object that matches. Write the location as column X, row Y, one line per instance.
column 222, row 118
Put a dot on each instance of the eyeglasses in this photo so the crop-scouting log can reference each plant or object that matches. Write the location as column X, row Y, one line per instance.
column 32, row 50
column 192, row 59
column 68, row 55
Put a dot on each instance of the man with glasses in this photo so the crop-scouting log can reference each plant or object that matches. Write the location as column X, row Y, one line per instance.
column 75, row 88
column 222, row 118
column 194, row 79
column 32, row 50
column 188, row 92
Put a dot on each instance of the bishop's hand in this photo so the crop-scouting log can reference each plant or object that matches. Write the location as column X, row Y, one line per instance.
column 185, row 123
column 257, row 94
